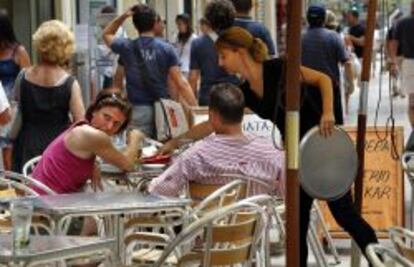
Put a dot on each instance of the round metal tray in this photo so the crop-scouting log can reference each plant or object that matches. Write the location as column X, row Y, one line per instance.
column 327, row 166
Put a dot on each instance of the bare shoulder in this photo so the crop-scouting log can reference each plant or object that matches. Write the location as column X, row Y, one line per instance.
column 88, row 136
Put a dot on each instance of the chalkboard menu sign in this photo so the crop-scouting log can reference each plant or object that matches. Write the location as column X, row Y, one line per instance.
column 383, row 191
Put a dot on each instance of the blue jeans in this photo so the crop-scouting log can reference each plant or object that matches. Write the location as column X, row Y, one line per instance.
column 143, row 118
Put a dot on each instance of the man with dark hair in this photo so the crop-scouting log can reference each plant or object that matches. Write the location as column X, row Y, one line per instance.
column 150, row 64
column 356, row 32
column 257, row 29
column 323, row 50
column 203, row 55
column 220, row 14
column 227, row 150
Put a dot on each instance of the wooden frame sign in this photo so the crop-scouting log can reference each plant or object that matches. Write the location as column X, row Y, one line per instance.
column 383, row 190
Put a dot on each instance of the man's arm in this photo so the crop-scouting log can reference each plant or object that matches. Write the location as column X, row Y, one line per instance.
column 197, row 132
column 183, row 87
column 349, row 74
column 109, row 33
column 393, row 48
column 360, row 41
column 193, row 79
column 172, row 181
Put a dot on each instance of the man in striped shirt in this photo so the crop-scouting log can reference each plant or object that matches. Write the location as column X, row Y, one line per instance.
column 227, row 151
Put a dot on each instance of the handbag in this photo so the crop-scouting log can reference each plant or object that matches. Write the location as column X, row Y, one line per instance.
column 16, row 123
column 170, row 118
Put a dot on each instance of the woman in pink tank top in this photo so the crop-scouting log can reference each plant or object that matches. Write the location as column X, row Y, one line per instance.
column 69, row 161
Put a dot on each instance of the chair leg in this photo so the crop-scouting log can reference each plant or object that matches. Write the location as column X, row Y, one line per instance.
column 316, row 246
column 326, row 233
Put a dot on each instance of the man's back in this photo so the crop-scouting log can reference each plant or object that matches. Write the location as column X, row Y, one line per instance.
column 205, row 59
column 159, row 57
column 357, row 31
column 403, row 33
column 323, row 50
column 258, row 30
column 248, row 155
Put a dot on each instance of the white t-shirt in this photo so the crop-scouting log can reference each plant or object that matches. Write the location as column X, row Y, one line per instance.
column 4, row 103
column 183, row 53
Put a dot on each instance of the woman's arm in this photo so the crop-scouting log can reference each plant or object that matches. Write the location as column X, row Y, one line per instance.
column 76, row 104
column 22, row 57
column 324, row 83
column 197, row 132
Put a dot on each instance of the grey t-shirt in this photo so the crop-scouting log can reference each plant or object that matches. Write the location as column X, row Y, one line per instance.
column 404, row 35
column 159, row 57
column 322, row 50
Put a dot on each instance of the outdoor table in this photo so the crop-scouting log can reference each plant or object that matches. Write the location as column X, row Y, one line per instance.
column 60, row 207
column 44, row 249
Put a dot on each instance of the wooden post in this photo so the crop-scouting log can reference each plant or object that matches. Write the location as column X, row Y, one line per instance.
column 293, row 42
column 362, row 113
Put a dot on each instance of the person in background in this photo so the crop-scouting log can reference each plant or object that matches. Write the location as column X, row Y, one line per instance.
column 13, row 58
column 204, row 65
column 119, row 74
column 397, row 90
column 147, row 78
column 356, row 33
column 5, row 112
column 48, row 93
column 403, row 39
column 204, row 26
column 184, row 38
column 227, row 150
column 257, row 29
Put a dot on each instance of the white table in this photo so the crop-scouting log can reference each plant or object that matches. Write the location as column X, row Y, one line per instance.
column 44, row 249
column 60, row 207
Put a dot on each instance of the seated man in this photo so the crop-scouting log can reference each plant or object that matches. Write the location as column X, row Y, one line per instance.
column 228, row 150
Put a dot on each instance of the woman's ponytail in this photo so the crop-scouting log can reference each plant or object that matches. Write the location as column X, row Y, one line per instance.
column 258, row 50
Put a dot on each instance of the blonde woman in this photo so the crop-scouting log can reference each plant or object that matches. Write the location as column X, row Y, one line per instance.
column 48, row 93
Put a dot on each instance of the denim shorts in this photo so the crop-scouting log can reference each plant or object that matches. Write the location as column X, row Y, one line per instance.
column 143, row 118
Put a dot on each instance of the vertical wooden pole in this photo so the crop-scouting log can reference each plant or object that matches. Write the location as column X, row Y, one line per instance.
column 362, row 113
column 292, row 131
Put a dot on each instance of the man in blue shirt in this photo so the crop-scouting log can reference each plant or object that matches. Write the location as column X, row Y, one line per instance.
column 257, row 29
column 146, row 82
column 204, row 58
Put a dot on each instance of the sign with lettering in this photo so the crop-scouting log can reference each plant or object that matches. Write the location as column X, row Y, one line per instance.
column 383, row 184
column 251, row 123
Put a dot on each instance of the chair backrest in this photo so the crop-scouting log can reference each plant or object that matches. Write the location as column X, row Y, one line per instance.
column 211, row 196
column 401, row 238
column 390, row 256
column 27, row 181
column 29, row 166
column 226, row 240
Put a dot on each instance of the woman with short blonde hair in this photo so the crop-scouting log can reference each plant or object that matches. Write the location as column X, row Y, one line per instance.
column 55, row 42
column 50, row 97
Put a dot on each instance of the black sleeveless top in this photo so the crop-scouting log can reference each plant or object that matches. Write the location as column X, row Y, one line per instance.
column 272, row 105
column 45, row 114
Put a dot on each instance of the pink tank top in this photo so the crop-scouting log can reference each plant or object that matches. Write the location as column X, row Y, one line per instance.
column 60, row 169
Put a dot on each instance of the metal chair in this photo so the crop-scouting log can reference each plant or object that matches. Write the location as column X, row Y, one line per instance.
column 41, row 223
column 212, row 196
column 390, row 257
column 256, row 185
column 402, row 239
column 224, row 239
column 29, row 166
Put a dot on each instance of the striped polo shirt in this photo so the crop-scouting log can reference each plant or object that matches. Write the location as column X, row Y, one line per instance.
column 246, row 154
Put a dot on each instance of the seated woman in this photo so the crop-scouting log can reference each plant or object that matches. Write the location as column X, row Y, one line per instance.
column 69, row 161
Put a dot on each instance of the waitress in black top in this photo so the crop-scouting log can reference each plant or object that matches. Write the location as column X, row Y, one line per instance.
column 241, row 53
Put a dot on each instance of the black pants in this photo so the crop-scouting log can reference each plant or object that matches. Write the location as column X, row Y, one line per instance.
column 345, row 214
